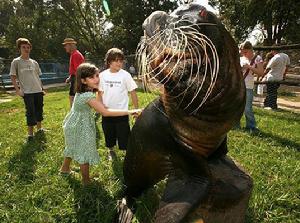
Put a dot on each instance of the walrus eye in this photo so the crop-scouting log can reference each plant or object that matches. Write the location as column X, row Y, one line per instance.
column 203, row 13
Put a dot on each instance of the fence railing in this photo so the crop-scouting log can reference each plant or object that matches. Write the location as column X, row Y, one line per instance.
column 53, row 71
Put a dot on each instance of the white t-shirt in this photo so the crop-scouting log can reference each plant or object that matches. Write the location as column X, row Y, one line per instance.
column 277, row 66
column 28, row 73
column 249, row 80
column 115, row 88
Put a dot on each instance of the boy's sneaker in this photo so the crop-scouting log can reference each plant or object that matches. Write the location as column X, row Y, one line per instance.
column 41, row 130
column 252, row 130
column 267, row 108
column 111, row 155
column 29, row 138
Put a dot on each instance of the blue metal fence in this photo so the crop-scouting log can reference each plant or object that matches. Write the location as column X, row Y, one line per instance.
column 53, row 71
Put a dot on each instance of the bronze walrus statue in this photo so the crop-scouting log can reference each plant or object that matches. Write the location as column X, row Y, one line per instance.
column 194, row 58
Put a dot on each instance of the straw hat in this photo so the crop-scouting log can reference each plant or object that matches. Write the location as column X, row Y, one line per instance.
column 69, row 41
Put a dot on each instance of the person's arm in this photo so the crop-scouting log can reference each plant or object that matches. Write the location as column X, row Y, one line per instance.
column 134, row 99
column 14, row 82
column 99, row 107
column 99, row 96
column 39, row 73
column 259, row 69
column 13, row 76
column 285, row 72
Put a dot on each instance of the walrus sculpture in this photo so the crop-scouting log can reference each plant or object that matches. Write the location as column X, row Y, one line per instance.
column 181, row 136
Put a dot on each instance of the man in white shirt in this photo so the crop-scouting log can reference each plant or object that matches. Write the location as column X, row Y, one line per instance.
column 275, row 71
column 115, row 83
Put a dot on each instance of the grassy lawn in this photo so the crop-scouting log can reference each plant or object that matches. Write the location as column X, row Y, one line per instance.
column 33, row 191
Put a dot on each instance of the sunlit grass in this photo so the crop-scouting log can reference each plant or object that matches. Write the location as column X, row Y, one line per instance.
column 33, row 191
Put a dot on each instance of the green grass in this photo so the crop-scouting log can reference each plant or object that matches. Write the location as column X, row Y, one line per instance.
column 32, row 191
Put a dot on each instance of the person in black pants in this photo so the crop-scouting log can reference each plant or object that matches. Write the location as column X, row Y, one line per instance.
column 27, row 72
column 275, row 72
column 115, row 83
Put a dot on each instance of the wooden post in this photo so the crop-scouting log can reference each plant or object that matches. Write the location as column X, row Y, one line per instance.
column 229, row 196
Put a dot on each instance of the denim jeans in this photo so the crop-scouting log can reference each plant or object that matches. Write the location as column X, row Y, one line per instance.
column 250, row 119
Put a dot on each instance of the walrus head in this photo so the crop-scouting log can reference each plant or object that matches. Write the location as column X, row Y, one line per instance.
column 191, row 53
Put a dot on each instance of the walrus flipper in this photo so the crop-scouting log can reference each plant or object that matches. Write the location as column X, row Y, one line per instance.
column 124, row 213
column 184, row 190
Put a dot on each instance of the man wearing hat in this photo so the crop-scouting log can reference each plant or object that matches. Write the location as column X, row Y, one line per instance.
column 76, row 58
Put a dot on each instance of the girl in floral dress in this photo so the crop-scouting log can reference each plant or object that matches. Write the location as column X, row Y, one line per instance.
column 79, row 124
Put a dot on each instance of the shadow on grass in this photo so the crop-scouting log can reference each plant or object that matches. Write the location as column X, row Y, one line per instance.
column 250, row 216
column 92, row 203
column 23, row 163
column 117, row 166
column 58, row 89
column 280, row 140
column 281, row 114
column 145, row 205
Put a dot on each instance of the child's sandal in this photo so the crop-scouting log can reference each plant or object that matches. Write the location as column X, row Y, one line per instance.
column 66, row 174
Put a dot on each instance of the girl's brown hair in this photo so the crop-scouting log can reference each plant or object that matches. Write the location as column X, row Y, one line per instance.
column 83, row 71
column 112, row 55
column 21, row 41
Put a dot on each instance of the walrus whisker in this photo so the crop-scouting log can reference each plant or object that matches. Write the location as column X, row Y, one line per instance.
column 153, row 39
column 153, row 54
column 208, row 67
column 184, row 65
column 199, row 87
column 156, row 53
column 190, row 49
column 145, row 64
column 199, row 62
column 184, row 61
column 213, row 73
column 198, row 57
column 165, row 65
column 187, row 88
column 182, row 42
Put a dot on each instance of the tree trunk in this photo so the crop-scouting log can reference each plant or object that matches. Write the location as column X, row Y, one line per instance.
column 229, row 196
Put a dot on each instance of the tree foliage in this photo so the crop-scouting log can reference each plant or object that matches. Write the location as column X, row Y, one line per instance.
column 47, row 22
column 278, row 19
column 128, row 17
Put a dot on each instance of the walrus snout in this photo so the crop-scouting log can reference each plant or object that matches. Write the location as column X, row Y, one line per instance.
column 155, row 22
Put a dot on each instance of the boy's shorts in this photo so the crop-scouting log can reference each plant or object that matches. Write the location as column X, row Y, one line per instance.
column 34, row 108
column 116, row 129
column 72, row 85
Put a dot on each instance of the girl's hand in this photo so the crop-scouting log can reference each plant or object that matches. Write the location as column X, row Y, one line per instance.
column 44, row 92
column 135, row 112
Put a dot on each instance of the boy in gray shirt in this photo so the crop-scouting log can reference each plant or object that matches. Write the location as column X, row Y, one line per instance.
column 27, row 72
